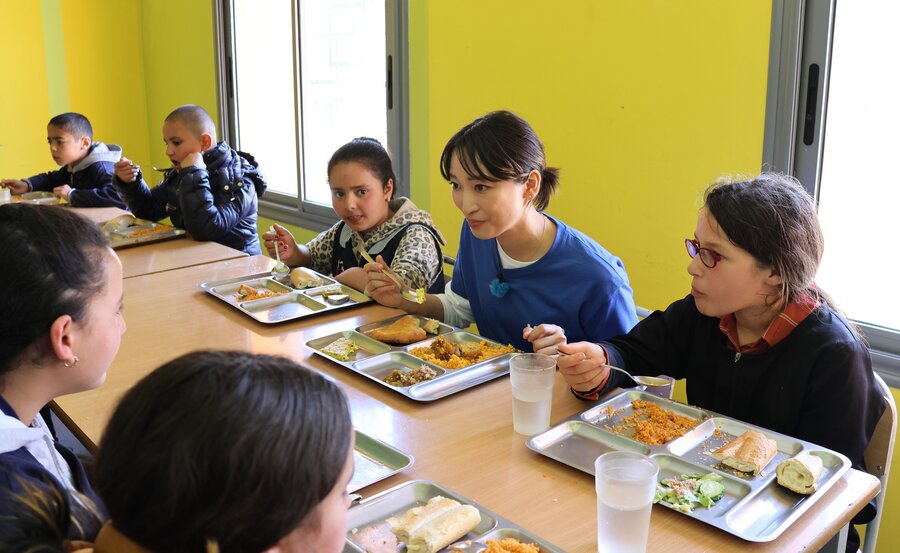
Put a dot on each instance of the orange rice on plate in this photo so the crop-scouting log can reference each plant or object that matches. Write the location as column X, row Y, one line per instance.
column 652, row 424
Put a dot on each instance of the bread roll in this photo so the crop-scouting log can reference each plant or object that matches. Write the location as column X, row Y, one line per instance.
column 303, row 278
column 800, row 473
column 749, row 452
column 435, row 525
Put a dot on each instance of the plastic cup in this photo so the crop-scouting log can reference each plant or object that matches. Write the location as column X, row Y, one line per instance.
column 5, row 195
column 626, row 483
column 532, row 376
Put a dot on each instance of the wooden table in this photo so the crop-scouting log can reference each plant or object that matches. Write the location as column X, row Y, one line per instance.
column 145, row 259
column 464, row 442
column 98, row 214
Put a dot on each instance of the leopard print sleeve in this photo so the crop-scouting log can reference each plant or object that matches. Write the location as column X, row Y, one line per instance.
column 320, row 249
column 417, row 260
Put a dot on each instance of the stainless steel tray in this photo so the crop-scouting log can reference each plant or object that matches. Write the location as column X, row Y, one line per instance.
column 375, row 360
column 291, row 305
column 41, row 197
column 754, row 508
column 141, row 232
column 374, row 460
column 399, row 499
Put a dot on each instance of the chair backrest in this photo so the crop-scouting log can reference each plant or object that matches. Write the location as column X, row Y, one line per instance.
column 878, row 459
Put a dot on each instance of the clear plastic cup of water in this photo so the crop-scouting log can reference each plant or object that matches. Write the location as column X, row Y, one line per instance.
column 532, row 376
column 626, row 483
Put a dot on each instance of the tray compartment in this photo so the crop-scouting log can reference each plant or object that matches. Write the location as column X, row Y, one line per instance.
column 283, row 307
column 521, row 535
column 458, row 337
column 285, row 278
column 696, row 445
column 355, row 295
column 735, row 489
column 578, row 444
column 398, row 500
column 374, row 461
column 229, row 291
column 610, row 413
column 770, row 510
column 455, row 380
column 367, row 346
column 381, row 366
column 442, row 328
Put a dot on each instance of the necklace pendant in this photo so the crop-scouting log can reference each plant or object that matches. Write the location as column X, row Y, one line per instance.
column 499, row 288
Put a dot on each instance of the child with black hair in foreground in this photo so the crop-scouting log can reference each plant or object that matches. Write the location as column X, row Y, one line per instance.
column 85, row 179
column 269, row 476
column 212, row 191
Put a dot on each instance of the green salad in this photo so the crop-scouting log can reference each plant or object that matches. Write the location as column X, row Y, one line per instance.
column 683, row 492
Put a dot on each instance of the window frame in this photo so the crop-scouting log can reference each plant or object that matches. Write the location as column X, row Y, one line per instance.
column 298, row 210
column 801, row 36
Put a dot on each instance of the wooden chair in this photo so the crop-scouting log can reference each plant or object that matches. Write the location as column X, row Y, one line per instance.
column 878, row 460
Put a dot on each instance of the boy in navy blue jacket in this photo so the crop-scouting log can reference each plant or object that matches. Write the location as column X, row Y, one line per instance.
column 85, row 179
column 211, row 190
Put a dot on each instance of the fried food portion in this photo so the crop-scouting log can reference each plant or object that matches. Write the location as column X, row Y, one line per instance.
column 652, row 424
column 249, row 293
column 457, row 356
column 404, row 330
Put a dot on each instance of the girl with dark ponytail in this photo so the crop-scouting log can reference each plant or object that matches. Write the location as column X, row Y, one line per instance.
column 517, row 265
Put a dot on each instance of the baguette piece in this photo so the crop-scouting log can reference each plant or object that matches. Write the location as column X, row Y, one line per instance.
column 435, row 525
column 801, row 473
column 749, row 452
column 304, row 278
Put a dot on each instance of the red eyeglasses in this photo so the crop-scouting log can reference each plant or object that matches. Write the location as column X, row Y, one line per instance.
column 707, row 256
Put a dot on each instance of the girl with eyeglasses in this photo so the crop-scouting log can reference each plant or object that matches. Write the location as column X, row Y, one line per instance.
column 756, row 339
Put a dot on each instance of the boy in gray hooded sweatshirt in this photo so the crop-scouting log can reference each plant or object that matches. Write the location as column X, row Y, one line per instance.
column 85, row 178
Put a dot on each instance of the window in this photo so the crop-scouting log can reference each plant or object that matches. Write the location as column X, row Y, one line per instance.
column 297, row 79
column 829, row 64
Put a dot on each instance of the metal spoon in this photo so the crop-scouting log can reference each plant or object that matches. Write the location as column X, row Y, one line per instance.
column 652, row 381
column 279, row 266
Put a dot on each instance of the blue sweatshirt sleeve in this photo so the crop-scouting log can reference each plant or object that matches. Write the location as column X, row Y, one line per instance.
column 96, row 187
column 50, row 180
column 141, row 200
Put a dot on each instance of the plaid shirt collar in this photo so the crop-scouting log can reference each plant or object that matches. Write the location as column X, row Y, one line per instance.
column 778, row 329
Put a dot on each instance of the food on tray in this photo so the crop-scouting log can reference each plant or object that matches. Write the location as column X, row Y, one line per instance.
column 432, row 326
column 304, row 278
column 376, row 538
column 341, row 349
column 511, row 545
column 149, row 230
column 118, row 223
column 652, row 424
column 404, row 330
column 456, row 356
column 249, row 293
column 683, row 492
column 401, row 378
column 435, row 525
column 800, row 473
column 749, row 452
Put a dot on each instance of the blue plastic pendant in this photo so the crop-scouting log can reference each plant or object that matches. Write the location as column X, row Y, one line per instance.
column 499, row 288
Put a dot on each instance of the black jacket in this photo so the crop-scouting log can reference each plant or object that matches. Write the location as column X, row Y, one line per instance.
column 218, row 203
column 90, row 178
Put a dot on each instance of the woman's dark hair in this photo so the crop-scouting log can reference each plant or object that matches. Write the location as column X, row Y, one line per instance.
column 225, row 446
column 52, row 263
column 370, row 153
column 501, row 146
column 773, row 218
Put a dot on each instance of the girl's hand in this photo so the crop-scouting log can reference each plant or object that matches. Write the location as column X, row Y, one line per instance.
column 126, row 170
column 544, row 338
column 380, row 287
column 583, row 365
column 287, row 246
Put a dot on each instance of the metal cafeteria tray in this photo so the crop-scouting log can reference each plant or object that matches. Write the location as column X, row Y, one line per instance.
column 374, row 460
column 40, row 197
column 373, row 511
column 141, row 232
column 754, row 508
column 376, row 360
column 290, row 304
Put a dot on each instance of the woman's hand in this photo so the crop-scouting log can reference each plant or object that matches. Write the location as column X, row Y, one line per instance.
column 583, row 365
column 380, row 287
column 544, row 338
column 287, row 246
column 126, row 170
